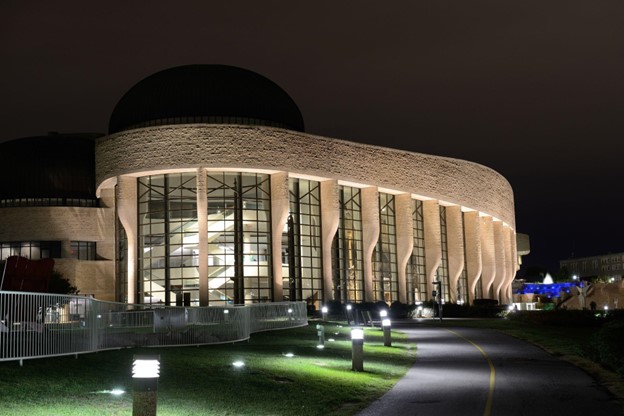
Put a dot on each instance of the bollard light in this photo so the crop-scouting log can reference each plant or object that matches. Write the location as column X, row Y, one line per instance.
column 145, row 374
column 357, row 349
column 349, row 307
column 383, row 313
column 320, row 331
column 324, row 311
column 386, row 325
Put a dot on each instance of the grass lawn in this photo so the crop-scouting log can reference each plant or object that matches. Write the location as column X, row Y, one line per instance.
column 203, row 381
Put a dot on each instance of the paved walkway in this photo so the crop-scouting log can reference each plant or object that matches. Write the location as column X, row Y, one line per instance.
column 469, row 371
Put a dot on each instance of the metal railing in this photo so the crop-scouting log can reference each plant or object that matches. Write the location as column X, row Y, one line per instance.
column 36, row 325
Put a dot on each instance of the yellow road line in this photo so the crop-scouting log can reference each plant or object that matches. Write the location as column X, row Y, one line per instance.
column 488, row 403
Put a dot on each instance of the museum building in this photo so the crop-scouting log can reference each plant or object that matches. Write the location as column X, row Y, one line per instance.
column 208, row 191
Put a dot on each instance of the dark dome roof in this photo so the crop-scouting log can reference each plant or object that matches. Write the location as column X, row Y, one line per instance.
column 52, row 166
column 205, row 94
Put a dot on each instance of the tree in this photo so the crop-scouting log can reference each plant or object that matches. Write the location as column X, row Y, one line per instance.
column 60, row 285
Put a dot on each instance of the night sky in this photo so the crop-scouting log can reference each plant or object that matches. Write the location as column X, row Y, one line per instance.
column 532, row 89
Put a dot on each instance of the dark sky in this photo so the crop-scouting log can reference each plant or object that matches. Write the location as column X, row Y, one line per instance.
column 532, row 89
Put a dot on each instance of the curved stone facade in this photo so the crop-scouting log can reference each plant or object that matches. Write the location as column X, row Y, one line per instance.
column 459, row 182
column 464, row 188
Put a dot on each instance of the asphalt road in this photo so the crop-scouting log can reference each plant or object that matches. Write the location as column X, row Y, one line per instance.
column 480, row 372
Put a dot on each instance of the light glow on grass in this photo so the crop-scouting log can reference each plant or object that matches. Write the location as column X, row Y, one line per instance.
column 238, row 364
column 320, row 347
column 331, row 340
column 289, row 355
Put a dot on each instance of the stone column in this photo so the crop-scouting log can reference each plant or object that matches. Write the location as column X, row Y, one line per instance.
column 202, row 231
column 280, row 207
column 488, row 256
column 501, row 270
column 370, row 236
column 455, row 245
column 433, row 244
column 330, row 219
column 405, row 240
column 472, row 230
column 509, row 265
column 127, row 210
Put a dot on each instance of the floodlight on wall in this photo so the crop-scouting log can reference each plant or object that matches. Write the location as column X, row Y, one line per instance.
column 145, row 374
column 357, row 349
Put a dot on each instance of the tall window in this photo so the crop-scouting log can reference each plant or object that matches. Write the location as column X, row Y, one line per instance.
column 347, row 248
column 121, row 293
column 416, row 271
column 443, row 272
column 303, row 237
column 239, row 238
column 385, row 278
column 462, row 283
column 168, row 239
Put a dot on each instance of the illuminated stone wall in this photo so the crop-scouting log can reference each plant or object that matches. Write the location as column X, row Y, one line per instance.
column 457, row 184
column 217, row 146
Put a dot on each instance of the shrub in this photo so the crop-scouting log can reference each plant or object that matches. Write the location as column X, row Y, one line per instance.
column 606, row 346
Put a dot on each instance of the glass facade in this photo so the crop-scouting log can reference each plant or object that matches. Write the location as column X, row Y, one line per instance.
column 347, row 248
column 121, row 279
column 239, row 238
column 385, row 276
column 239, row 245
column 301, row 243
column 443, row 270
column 168, row 238
column 416, row 271
column 462, row 283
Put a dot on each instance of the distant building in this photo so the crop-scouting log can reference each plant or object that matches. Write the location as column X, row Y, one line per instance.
column 606, row 265
column 207, row 191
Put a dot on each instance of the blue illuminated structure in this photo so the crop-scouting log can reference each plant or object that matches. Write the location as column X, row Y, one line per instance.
column 548, row 289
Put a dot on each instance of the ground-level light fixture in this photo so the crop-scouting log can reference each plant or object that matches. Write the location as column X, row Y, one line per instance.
column 357, row 349
column 238, row 364
column 383, row 313
column 324, row 311
column 145, row 374
column 386, row 325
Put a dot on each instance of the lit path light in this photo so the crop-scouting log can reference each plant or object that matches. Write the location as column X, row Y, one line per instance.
column 357, row 349
column 488, row 404
column 387, row 326
column 238, row 364
column 145, row 374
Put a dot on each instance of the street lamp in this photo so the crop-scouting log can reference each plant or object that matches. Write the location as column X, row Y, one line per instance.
column 145, row 374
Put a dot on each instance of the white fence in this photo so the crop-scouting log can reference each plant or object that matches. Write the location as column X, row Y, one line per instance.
column 36, row 325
